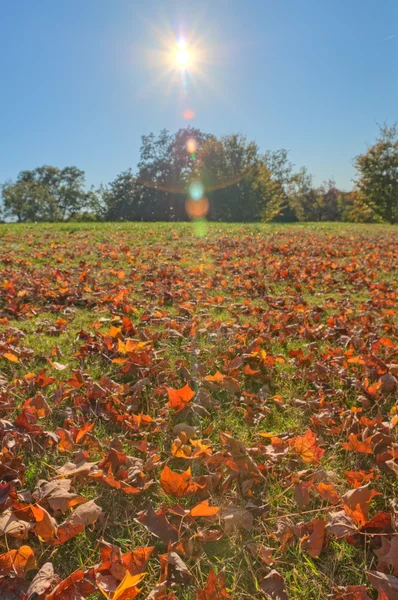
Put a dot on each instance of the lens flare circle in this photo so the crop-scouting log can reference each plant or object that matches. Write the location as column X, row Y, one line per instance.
column 197, row 209
column 191, row 145
column 188, row 114
column 196, row 190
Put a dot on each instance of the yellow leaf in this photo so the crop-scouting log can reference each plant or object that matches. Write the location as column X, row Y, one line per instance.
column 128, row 587
column 12, row 357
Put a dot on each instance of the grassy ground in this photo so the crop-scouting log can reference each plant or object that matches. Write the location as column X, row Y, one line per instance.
column 290, row 315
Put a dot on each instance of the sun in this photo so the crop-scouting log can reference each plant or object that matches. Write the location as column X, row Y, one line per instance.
column 182, row 55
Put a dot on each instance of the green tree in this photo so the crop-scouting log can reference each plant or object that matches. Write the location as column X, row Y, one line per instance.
column 164, row 173
column 303, row 197
column 327, row 202
column 29, row 201
column 237, row 181
column 122, row 198
column 354, row 208
column 281, row 169
column 378, row 174
column 46, row 194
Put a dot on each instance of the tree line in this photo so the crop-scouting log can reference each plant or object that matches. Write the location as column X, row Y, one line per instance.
column 194, row 174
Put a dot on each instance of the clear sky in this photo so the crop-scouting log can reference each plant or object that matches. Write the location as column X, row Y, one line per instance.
column 82, row 80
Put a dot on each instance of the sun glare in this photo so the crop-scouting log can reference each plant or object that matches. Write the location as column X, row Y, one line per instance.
column 182, row 55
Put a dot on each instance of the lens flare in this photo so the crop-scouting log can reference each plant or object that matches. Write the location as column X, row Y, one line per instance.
column 197, row 209
column 182, row 57
column 200, row 227
column 196, row 190
column 191, row 145
column 188, row 114
column 182, row 54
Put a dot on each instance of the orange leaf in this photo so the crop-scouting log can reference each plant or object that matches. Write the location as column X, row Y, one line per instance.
column 178, row 484
column 20, row 561
column 127, row 590
column 306, row 448
column 12, row 357
column 204, row 510
column 214, row 588
column 178, row 399
column 82, row 432
column 357, row 445
column 46, row 526
column 328, row 493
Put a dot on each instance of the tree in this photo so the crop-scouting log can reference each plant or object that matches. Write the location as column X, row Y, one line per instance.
column 378, row 174
column 164, row 170
column 281, row 169
column 122, row 198
column 29, row 201
column 327, row 201
column 46, row 194
column 237, row 181
column 354, row 208
column 303, row 197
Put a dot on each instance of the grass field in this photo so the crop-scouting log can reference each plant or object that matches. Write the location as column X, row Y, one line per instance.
column 275, row 347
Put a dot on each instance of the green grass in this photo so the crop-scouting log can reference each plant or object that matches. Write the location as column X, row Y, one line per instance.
column 279, row 293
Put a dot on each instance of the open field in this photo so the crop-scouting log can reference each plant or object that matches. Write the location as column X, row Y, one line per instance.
column 275, row 346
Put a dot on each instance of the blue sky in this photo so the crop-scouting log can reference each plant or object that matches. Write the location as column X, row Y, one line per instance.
column 82, row 80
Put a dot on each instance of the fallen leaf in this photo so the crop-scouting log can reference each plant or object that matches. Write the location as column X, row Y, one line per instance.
column 386, row 585
column 179, row 399
column 42, row 582
column 273, row 586
column 18, row 561
column 306, row 448
column 178, row 484
column 214, row 589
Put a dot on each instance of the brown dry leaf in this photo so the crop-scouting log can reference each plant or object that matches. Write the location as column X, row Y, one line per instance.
column 302, row 493
column 285, row 533
column 37, row 406
column 174, row 570
column 84, row 515
column 157, row 523
column 314, row 537
column 388, row 555
column 12, row 525
column 80, row 467
column 341, row 525
column 273, row 586
column 75, row 587
column 236, row 518
column 393, row 466
column 57, row 494
column 386, row 585
column 263, row 553
column 350, row 592
column 42, row 582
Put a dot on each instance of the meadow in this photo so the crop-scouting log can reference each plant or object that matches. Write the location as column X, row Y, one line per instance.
column 198, row 411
